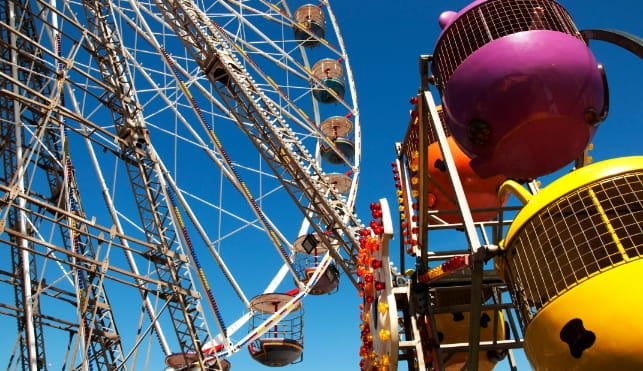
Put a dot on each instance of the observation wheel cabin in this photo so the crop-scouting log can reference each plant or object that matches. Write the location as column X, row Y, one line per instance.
column 309, row 251
column 342, row 149
column 330, row 72
column 190, row 362
column 282, row 344
column 310, row 27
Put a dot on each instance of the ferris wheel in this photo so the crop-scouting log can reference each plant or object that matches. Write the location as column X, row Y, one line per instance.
column 177, row 176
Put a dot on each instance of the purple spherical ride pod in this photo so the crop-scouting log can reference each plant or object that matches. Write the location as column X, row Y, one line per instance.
column 522, row 92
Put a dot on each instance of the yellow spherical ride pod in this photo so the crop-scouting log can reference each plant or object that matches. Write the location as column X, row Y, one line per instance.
column 454, row 328
column 574, row 258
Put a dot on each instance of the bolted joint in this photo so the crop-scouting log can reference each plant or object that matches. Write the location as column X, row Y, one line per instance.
column 485, row 252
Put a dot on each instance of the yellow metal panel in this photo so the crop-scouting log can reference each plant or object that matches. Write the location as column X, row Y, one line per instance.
column 457, row 331
column 609, row 305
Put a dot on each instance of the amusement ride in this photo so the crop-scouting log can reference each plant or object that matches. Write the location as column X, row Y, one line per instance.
column 156, row 152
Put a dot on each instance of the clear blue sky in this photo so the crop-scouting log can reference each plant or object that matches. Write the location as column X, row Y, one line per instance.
column 384, row 40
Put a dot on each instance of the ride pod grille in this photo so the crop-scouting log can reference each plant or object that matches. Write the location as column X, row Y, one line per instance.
column 587, row 231
column 492, row 20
